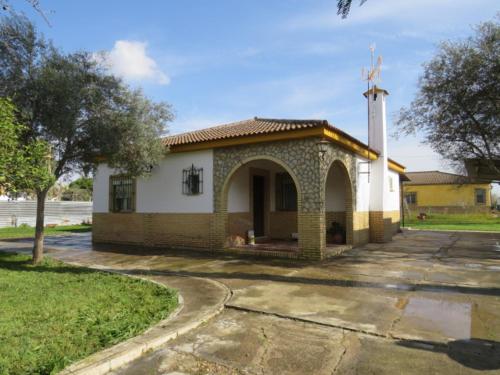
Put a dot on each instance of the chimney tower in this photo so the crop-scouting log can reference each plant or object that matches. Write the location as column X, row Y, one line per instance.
column 380, row 224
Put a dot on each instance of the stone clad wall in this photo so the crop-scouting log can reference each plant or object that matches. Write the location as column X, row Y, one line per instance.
column 309, row 171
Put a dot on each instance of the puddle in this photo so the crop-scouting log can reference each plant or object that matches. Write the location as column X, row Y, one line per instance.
column 451, row 319
column 473, row 265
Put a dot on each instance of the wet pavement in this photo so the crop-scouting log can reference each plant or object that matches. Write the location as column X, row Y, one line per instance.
column 426, row 302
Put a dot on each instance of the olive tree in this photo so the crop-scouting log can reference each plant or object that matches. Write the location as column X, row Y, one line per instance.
column 71, row 104
column 457, row 103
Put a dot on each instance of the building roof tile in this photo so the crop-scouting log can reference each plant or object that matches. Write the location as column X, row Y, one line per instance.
column 438, row 178
column 243, row 128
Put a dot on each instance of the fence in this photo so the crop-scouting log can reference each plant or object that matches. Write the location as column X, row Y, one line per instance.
column 15, row 213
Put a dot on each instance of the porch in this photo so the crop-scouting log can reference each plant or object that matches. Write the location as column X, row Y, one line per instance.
column 264, row 211
column 284, row 249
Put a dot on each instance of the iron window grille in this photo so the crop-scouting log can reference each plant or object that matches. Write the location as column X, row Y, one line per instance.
column 122, row 194
column 286, row 193
column 192, row 181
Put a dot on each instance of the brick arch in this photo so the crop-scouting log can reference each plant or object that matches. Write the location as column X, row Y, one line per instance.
column 227, row 182
column 349, row 195
column 221, row 205
column 308, row 168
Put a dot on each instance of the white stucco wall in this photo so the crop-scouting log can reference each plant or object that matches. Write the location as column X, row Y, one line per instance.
column 239, row 188
column 335, row 193
column 162, row 191
column 393, row 197
column 362, row 186
column 100, row 195
column 368, row 197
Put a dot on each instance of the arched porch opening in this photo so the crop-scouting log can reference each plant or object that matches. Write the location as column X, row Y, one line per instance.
column 261, row 195
column 338, row 206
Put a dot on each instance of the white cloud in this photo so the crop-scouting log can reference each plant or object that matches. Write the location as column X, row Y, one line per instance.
column 128, row 59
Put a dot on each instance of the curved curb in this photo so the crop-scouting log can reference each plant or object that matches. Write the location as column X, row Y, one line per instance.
column 168, row 329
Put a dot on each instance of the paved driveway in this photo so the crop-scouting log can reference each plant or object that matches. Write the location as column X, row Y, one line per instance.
column 427, row 302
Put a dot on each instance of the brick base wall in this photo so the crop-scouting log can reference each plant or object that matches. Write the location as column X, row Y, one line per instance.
column 282, row 224
column 312, row 235
column 361, row 228
column 165, row 230
column 200, row 230
column 383, row 225
column 239, row 223
column 337, row 216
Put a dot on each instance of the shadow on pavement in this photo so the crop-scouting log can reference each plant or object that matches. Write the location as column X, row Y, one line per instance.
column 328, row 282
column 478, row 354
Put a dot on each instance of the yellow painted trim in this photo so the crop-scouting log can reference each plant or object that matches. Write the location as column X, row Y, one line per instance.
column 349, row 144
column 396, row 167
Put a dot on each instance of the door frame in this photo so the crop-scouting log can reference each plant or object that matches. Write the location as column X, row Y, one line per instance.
column 267, row 197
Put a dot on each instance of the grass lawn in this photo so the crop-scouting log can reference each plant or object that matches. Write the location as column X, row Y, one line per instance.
column 27, row 231
column 54, row 314
column 477, row 222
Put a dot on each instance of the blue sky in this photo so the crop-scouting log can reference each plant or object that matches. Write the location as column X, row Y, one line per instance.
column 224, row 60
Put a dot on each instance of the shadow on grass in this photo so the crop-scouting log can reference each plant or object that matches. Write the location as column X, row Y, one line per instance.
column 10, row 261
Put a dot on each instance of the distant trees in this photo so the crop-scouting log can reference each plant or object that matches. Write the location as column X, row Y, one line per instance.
column 74, row 112
column 85, row 183
column 457, row 106
column 79, row 190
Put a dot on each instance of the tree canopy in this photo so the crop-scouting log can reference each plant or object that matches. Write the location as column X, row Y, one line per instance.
column 23, row 165
column 457, row 103
column 70, row 104
column 344, row 7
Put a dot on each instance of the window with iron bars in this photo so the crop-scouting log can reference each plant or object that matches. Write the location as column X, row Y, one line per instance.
column 121, row 194
column 286, row 193
column 192, row 181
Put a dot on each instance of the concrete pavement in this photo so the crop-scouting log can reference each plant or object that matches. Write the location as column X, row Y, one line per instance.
column 427, row 301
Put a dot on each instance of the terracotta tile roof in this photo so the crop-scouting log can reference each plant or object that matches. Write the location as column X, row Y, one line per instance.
column 243, row 128
column 256, row 126
column 437, row 178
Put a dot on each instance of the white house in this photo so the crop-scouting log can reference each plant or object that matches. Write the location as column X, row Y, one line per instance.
column 297, row 185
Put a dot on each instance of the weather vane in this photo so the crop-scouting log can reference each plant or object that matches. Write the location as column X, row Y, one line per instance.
column 372, row 75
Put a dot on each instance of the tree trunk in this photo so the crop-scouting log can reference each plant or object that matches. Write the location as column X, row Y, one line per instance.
column 40, row 216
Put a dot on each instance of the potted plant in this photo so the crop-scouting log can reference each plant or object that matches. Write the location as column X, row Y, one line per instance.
column 336, row 233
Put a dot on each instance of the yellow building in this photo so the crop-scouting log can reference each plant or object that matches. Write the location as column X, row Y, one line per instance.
column 446, row 192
